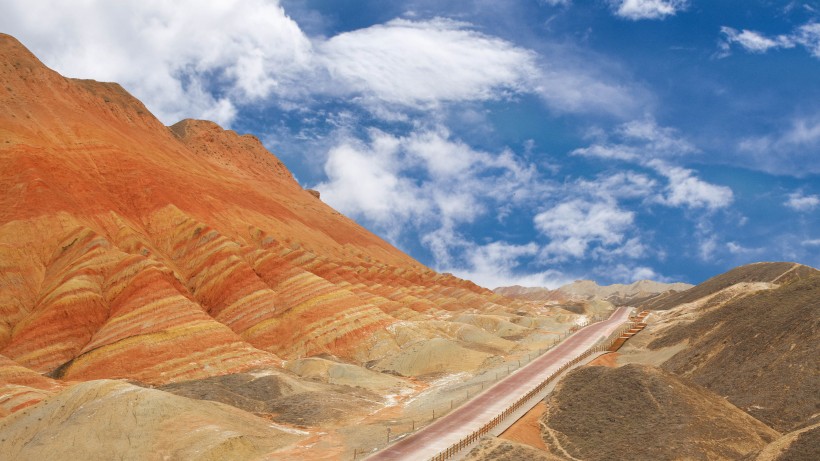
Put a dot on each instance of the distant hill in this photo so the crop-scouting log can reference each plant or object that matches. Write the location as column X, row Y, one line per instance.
column 531, row 293
column 617, row 294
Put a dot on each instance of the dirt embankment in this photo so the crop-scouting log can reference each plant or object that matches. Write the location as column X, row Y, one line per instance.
column 527, row 430
column 643, row 413
column 494, row 449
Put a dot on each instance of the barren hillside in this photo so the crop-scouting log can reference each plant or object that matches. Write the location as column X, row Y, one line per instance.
column 643, row 413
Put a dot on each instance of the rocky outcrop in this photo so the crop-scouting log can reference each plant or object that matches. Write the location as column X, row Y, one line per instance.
column 620, row 294
column 132, row 250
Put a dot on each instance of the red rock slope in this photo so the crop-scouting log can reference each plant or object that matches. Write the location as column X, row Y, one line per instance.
column 129, row 249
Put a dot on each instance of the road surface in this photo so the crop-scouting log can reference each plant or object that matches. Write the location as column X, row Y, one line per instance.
column 469, row 417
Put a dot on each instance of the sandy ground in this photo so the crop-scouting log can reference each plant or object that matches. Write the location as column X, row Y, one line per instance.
column 527, row 430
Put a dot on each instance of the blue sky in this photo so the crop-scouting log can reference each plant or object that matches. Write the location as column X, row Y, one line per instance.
column 528, row 142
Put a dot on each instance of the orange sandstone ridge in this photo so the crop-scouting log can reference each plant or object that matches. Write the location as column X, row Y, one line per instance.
column 132, row 250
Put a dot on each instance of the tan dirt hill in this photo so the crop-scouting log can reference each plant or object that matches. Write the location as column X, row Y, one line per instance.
column 94, row 419
column 643, row 413
column 759, row 351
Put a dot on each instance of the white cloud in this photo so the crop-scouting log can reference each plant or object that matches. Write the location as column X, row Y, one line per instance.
column 686, row 189
column 422, row 180
column 755, row 42
column 428, row 62
column 738, row 249
column 499, row 264
column 365, row 180
column 422, row 64
column 645, row 143
column 647, row 9
column 169, row 54
column 625, row 184
column 573, row 226
column 205, row 58
column 791, row 151
column 577, row 88
column 639, row 141
column 628, row 274
column 801, row 202
column 707, row 246
column 807, row 36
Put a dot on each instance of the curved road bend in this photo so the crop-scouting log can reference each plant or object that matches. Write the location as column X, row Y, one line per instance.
column 473, row 414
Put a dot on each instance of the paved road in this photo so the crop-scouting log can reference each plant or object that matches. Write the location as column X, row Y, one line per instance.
column 467, row 418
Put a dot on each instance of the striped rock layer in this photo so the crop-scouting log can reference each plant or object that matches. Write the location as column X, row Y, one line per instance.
column 133, row 250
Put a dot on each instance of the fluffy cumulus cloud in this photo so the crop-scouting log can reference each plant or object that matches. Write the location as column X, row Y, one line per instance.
column 647, row 9
column 807, row 36
column 172, row 55
column 425, row 179
column 687, row 190
column 573, row 226
column 799, row 201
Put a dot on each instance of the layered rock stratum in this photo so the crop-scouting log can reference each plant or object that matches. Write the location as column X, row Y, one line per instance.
column 160, row 284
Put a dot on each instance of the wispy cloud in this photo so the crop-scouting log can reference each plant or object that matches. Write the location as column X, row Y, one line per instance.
column 807, row 36
column 500, row 264
column 426, row 62
column 790, row 150
column 644, row 143
column 639, row 141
